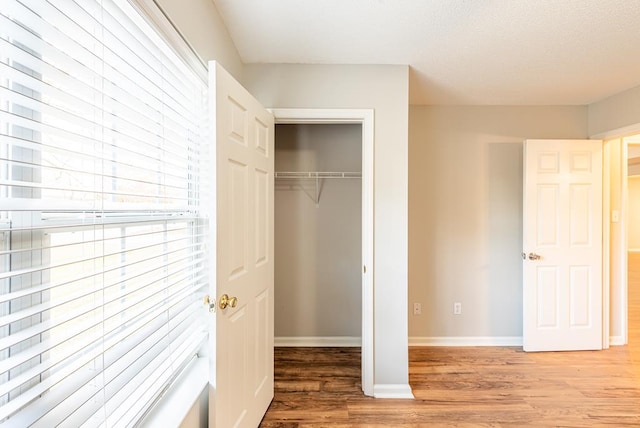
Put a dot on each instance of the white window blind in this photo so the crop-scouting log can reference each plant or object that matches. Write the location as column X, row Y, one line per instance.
column 102, row 258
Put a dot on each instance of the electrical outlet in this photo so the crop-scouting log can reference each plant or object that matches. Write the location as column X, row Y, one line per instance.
column 417, row 309
column 457, row 308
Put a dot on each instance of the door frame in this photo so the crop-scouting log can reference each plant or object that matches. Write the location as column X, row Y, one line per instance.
column 624, row 238
column 615, row 272
column 364, row 117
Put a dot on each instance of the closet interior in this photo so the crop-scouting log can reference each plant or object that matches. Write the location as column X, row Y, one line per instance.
column 318, row 233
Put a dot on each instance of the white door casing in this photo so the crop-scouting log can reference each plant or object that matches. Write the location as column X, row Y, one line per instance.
column 562, row 295
column 241, row 337
column 364, row 117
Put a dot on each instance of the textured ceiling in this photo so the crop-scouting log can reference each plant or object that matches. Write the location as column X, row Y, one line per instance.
column 491, row 52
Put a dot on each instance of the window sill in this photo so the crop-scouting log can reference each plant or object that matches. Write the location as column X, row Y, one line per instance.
column 181, row 397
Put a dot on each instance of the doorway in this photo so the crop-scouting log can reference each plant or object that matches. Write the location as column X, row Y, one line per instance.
column 318, row 196
column 365, row 119
column 633, row 237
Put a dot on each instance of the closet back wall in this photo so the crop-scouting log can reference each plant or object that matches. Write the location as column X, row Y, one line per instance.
column 318, row 247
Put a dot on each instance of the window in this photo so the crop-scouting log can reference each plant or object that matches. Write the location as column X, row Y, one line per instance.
column 102, row 255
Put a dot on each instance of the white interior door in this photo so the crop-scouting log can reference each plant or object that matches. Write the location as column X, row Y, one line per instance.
column 241, row 374
column 562, row 245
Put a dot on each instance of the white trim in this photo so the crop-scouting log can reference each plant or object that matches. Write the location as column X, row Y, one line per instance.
column 155, row 15
column 634, row 250
column 617, row 133
column 366, row 118
column 617, row 341
column 302, row 115
column 318, row 341
column 466, row 341
column 606, row 242
column 624, row 241
column 393, row 391
column 171, row 410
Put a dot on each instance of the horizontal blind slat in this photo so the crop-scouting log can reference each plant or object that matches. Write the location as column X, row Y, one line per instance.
column 81, row 220
column 93, row 191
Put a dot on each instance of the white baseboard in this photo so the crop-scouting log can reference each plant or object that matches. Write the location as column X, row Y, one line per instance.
column 393, row 391
column 466, row 341
column 616, row 341
column 318, row 341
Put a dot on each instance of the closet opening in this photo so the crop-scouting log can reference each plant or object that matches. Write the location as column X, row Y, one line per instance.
column 318, row 234
column 324, row 234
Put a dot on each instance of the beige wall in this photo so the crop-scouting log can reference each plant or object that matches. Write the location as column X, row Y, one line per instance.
column 465, row 213
column 634, row 213
column 318, row 249
column 384, row 89
column 615, row 112
column 200, row 23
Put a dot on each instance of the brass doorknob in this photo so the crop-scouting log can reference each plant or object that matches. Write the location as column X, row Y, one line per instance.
column 225, row 301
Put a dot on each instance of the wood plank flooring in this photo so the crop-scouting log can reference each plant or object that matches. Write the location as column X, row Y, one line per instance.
column 467, row 387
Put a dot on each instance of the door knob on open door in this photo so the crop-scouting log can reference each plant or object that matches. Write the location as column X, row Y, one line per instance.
column 534, row 256
column 225, row 301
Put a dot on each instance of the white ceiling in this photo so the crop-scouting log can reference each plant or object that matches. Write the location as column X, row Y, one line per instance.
column 491, row 52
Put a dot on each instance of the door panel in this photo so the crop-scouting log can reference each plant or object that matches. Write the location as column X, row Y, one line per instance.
column 547, row 286
column 241, row 373
column 261, row 237
column 562, row 308
column 236, row 218
column 548, row 215
column 580, row 292
column 580, row 216
column 263, row 346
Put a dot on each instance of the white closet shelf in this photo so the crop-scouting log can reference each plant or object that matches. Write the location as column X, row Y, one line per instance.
column 316, row 176
column 292, row 175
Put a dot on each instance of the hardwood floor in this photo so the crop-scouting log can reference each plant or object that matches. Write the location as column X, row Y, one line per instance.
column 467, row 387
